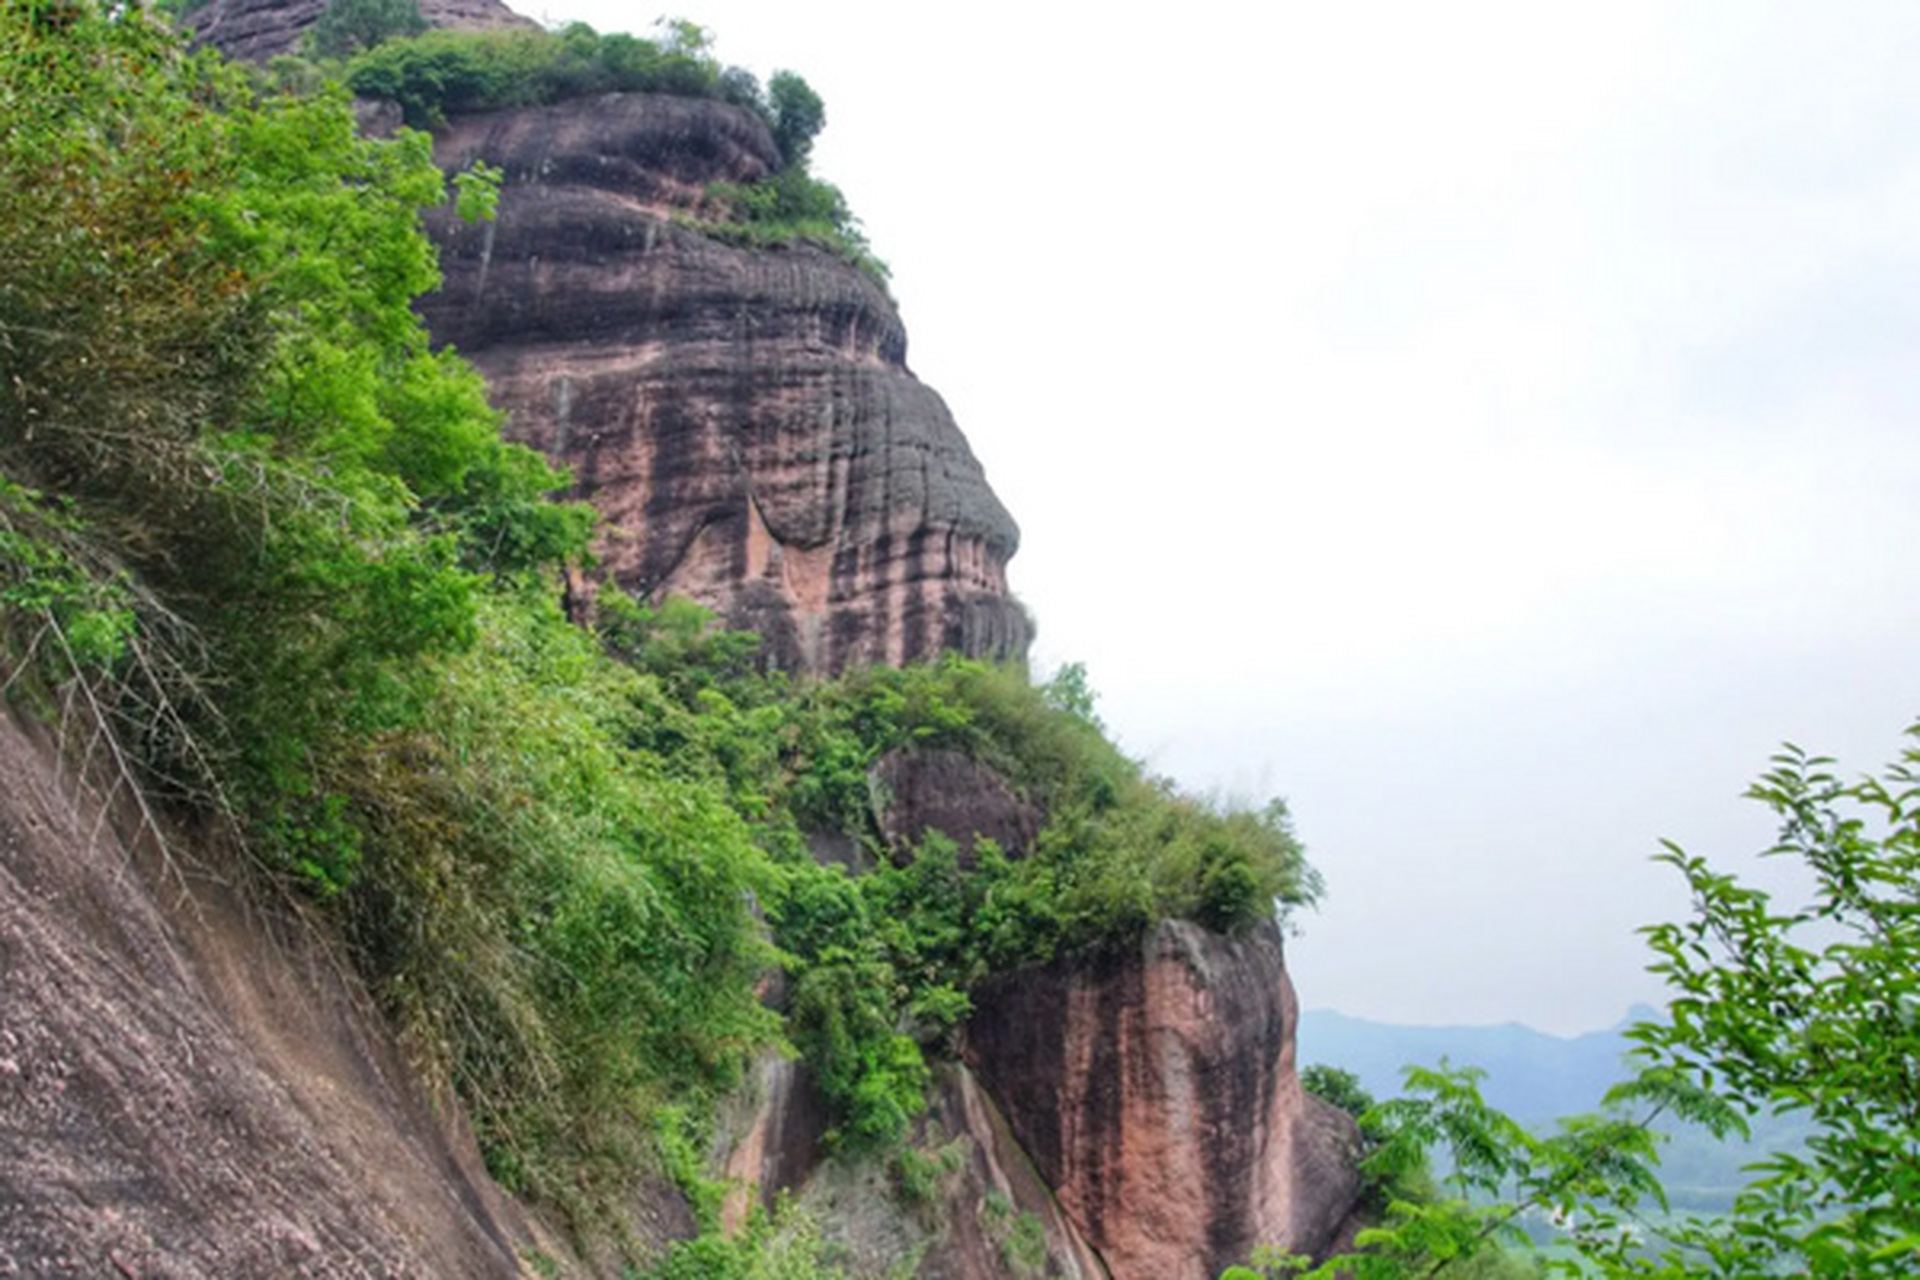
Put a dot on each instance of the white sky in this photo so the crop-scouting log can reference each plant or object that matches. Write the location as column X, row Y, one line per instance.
column 1489, row 426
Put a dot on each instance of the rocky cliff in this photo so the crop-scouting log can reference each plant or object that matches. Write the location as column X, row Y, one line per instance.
column 190, row 1086
column 1138, row 1110
column 1154, row 1088
column 743, row 417
column 746, row 421
column 262, row 29
column 979, row 1211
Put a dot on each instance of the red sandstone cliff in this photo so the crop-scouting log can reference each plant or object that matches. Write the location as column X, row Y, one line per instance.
column 262, row 29
column 1155, row 1090
column 182, row 1095
column 984, row 1214
column 1139, row 1106
column 743, row 417
column 746, row 421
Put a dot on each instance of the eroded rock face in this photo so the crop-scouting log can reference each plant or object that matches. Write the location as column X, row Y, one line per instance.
column 184, row 1096
column 743, row 417
column 261, row 29
column 919, row 790
column 1154, row 1089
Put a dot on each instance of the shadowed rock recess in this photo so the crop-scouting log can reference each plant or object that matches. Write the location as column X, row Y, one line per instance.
column 743, row 417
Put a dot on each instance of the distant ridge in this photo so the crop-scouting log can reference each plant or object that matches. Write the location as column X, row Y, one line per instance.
column 1531, row 1075
column 1537, row 1078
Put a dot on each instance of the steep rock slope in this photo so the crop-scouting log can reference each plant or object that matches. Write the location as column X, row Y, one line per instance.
column 262, row 29
column 1154, row 1089
column 743, row 417
column 183, row 1096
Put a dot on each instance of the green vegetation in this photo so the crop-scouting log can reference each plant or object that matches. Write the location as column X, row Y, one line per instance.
column 1021, row 1236
column 920, row 1177
column 445, row 73
column 265, row 551
column 1809, row 1010
column 782, row 1245
column 440, row 74
column 348, row 26
column 882, row 964
column 796, row 114
column 789, row 208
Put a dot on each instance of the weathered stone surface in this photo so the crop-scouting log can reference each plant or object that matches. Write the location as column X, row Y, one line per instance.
column 1155, row 1090
column 918, row 790
column 743, row 417
column 771, row 1135
column 261, row 29
column 184, row 1095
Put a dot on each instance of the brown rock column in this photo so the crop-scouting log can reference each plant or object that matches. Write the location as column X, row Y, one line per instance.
column 1154, row 1088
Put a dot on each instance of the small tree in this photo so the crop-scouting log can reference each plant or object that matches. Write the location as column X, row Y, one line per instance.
column 1337, row 1086
column 798, row 116
column 348, row 26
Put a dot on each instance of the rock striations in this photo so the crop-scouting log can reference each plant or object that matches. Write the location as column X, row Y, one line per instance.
column 261, row 29
column 1155, row 1090
column 743, row 417
column 183, row 1097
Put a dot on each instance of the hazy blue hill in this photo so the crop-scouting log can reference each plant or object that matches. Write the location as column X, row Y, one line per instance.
column 1536, row 1077
column 1531, row 1075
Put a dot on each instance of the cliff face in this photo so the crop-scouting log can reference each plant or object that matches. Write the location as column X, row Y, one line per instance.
column 745, row 420
column 1154, row 1089
column 260, row 29
column 181, row 1097
column 743, row 417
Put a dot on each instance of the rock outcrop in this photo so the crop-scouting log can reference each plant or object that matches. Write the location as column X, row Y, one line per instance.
column 1154, row 1089
column 743, row 417
column 979, row 1211
column 917, row 790
column 261, row 29
column 1138, row 1106
column 183, row 1097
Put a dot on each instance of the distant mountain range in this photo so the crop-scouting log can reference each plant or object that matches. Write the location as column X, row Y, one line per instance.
column 1531, row 1075
column 1535, row 1078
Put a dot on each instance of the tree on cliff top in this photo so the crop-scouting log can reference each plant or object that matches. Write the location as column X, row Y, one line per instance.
column 798, row 116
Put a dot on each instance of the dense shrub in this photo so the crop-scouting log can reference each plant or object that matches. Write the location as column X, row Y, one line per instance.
column 791, row 207
column 347, row 26
column 445, row 73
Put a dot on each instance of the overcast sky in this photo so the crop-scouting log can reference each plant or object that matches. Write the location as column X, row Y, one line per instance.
column 1488, row 426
